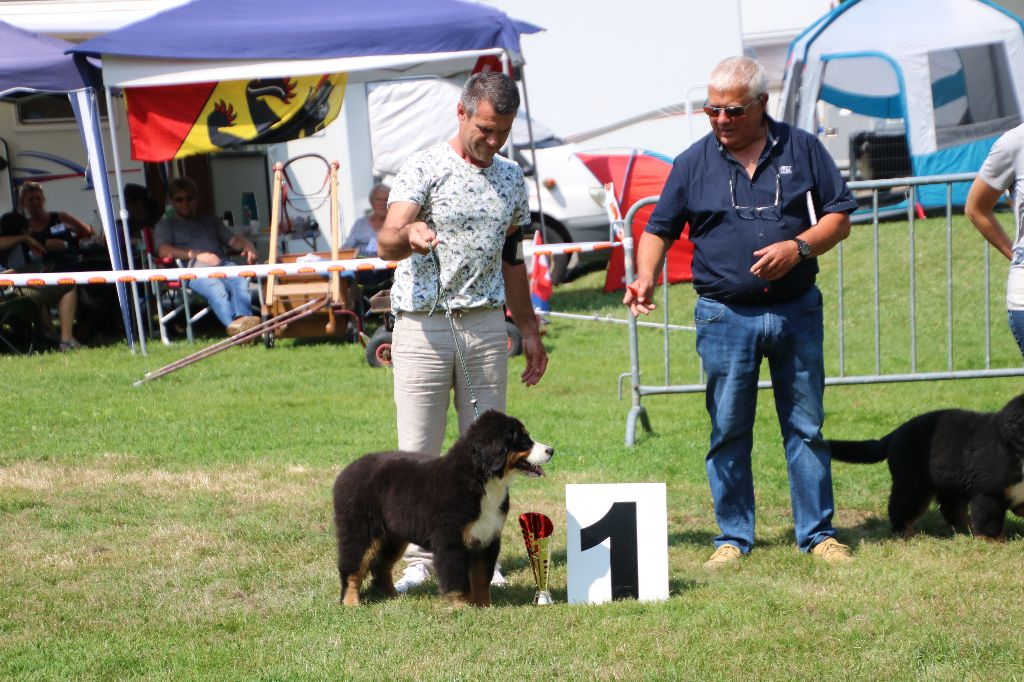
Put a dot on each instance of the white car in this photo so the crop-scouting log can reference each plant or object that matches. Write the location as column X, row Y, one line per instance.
column 570, row 198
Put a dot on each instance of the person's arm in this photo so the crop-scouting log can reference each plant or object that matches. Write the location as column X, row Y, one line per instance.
column 402, row 234
column 650, row 254
column 13, row 240
column 79, row 228
column 980, row 210
column 517, row 297
column 163, row 237
column 245, row 247
column 177, row 252
column 775, row 260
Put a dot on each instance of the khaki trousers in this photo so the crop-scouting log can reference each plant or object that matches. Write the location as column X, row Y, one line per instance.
column 427, row 370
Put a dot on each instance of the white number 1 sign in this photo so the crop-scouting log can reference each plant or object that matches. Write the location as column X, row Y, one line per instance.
column 616, row 542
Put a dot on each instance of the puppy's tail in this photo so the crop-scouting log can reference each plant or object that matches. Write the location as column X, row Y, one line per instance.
column 858, row 451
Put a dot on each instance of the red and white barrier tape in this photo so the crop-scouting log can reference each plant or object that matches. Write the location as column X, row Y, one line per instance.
column 322, row 267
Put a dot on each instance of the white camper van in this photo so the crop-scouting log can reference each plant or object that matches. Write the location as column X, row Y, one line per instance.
column 40, row 141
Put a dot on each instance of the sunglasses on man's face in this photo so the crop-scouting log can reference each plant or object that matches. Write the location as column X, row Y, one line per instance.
column 731, row 112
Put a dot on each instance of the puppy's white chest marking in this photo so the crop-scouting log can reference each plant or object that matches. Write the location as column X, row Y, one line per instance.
column 492, row 517
column 1015, row 494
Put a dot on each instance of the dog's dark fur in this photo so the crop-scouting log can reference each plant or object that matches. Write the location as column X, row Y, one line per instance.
column 971, row 462
column 454, row 506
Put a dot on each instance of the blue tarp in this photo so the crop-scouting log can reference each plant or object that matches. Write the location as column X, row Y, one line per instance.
column 311, row 29
column 33, row 63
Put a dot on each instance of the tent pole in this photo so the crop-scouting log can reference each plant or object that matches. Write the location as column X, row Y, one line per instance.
column 533, row 150
column 123, row 212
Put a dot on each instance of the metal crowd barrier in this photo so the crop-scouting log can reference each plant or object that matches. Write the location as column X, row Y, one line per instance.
column 844, row 309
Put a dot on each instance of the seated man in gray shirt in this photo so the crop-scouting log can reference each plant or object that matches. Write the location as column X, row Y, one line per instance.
column 203, row 241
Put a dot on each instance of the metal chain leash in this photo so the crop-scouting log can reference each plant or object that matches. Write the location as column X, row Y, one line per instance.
column 446, row 306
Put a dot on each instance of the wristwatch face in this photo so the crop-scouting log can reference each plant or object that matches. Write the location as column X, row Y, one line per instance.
column 803, row 248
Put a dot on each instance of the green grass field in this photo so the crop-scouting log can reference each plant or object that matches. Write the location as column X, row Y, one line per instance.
column 182, row 529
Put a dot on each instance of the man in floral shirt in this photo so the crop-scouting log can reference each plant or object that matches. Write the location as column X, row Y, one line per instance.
column 461, row 199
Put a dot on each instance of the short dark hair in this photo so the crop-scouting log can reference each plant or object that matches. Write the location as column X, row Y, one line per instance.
column 13, row 224
column 182, row 184
column 133, row 192
column 495, row 87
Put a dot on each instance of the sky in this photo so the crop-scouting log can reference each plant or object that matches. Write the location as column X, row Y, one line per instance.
column 600, row 62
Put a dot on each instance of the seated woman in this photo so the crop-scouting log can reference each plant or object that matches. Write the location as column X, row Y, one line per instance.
column 363, row 236
column 58, row 231
column 20, row 252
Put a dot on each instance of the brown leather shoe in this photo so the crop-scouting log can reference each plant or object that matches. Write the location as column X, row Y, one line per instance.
column 242, row 324
column 832, row 551
column 726, row 555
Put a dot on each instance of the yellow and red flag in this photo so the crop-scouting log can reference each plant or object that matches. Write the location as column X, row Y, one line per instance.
column 172, row 121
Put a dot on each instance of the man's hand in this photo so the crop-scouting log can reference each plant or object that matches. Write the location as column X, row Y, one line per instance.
column 638, row 296
column 536, row 359
column 249, row 251
column 207, row 258
column 421, row 237
column 775, row 260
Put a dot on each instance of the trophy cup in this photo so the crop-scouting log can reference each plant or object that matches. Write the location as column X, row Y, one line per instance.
column 537, row 536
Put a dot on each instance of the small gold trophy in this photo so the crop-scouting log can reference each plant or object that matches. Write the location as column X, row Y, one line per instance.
column 537, row 530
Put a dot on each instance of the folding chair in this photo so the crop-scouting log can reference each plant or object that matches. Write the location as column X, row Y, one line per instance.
column 171, row 298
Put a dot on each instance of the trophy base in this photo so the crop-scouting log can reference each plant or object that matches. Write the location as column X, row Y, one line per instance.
column 543, row 598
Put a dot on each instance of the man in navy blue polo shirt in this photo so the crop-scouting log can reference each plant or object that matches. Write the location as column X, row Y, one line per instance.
column 762, row 200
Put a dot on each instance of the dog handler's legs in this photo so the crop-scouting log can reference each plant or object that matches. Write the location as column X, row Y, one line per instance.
column 484, row 344
column 423, row 356
column 728, row 345
column 795, row 357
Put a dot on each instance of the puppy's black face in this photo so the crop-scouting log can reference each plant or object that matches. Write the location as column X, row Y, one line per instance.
column 507, row 446
column 1011, row 425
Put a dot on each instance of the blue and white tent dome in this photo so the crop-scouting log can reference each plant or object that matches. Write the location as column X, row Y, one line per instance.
column 948, row 73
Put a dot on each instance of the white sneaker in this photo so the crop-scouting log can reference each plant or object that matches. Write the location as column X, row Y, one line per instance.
column 498, row 580
column 414, row 575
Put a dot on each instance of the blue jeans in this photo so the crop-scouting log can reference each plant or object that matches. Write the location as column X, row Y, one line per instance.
column 228, row 298
column 1017, row 327
column 731, row 340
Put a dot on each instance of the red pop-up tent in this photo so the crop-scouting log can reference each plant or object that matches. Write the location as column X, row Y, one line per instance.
column 637, row 175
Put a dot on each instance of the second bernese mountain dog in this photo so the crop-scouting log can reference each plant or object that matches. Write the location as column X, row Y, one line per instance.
column 454, row 506
column 971, row 462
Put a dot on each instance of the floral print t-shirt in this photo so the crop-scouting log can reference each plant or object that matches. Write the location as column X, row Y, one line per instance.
column 470, row 209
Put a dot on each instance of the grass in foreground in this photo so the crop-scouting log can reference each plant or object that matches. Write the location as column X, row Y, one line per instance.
column 182, row 530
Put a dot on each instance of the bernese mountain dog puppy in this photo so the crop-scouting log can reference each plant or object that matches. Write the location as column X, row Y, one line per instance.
column 454, row 505
column 971, row 462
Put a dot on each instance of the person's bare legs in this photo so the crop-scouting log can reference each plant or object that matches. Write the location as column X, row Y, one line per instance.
column 66, row 307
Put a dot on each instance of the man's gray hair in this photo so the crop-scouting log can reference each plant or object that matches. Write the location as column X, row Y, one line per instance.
column 495, row 87
column 740, row 72
column 379, row 187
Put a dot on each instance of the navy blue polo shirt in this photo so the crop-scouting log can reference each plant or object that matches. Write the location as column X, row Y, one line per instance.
column 697, row 192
